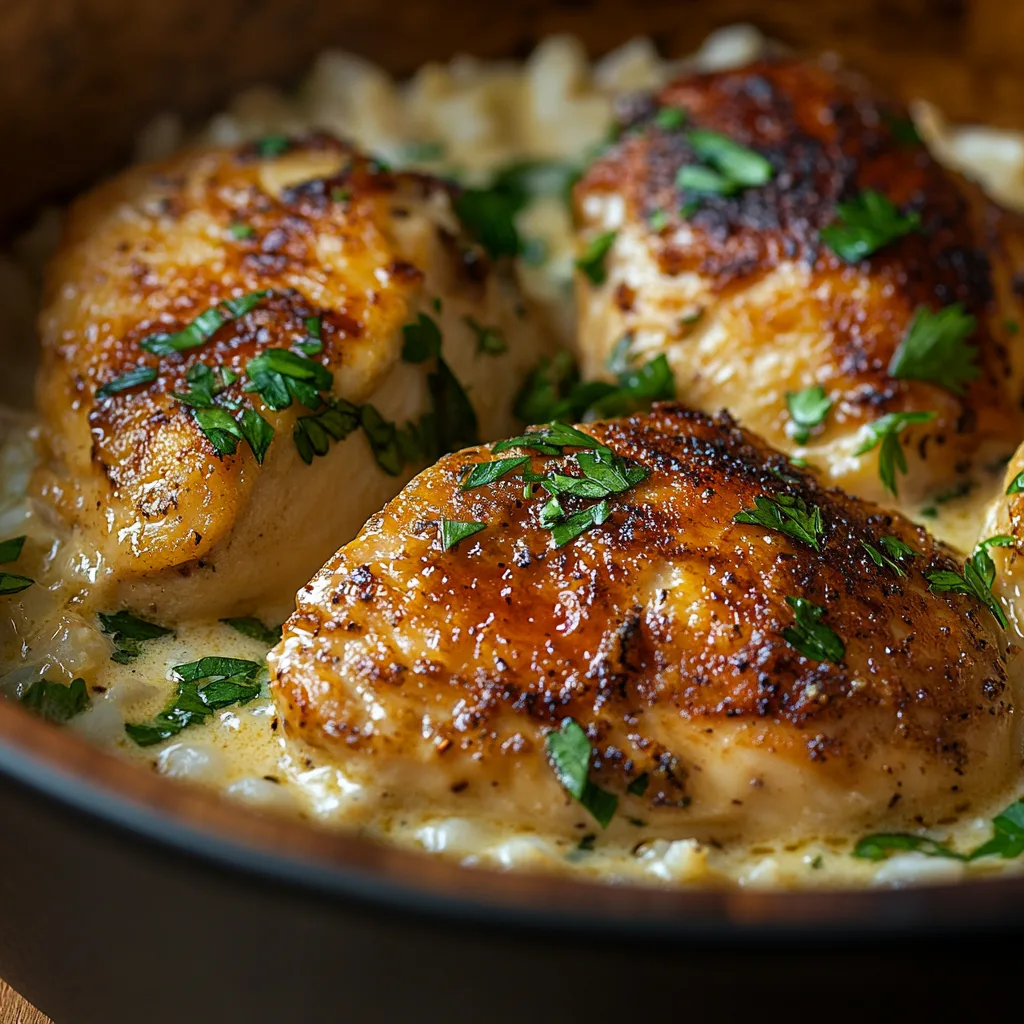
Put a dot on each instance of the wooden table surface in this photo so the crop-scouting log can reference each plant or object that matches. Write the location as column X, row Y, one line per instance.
column 14, row 1009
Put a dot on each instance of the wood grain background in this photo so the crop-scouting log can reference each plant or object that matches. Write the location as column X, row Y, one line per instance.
column 14, row 1009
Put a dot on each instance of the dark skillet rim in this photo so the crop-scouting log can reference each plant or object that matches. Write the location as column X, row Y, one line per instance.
column 205, row 829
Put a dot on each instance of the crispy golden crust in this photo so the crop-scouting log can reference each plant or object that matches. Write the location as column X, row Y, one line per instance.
column 330, row 234
column 661, row 632
column 780, row 310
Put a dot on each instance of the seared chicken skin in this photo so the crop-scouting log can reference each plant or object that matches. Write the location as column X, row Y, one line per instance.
column 728, row 261
column 732, row 678
column 180, row 275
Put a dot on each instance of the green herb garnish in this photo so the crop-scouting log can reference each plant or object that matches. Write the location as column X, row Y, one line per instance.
column 313, row 343
column 807, row 408
column 255, row 630
column 977, row 578
column 224, row 431
column 421, row 340
column 56, row 702
column 279, row 375
column 484, row 473
column 809, row 635
column 1007, row 841
column 488, row 215
column 670, row 119
column 886, row 432
column 313, row 434
column 1016, row 485
column 128, row 633
column 489, row 340
column 12, row 583
column 569, row 755
column 205, row 385
column 789, row 515
column 272, row 145
column 241, row 231
column 865, row 224
column 451, row 532
column 204, row 686
column 727, row 166
column 204, row 326
column 132, row 378
column 658, row 220
column 592, row 261
column 638, row 787
column 894, row 552
column 935, row 349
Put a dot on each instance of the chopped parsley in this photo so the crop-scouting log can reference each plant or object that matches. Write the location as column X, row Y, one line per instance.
column 272, row 145
column 638, row 787
column 1007, row 841
column 892, row 556
column 279, row 375
column 204, row 686
column 451, row 532
column 1016, row 485
column 807, row 409
column 484, row 473
column 789, row 515
column 569, row 752
column 128, row 633
column 421, row 340
column 312, row 344
column 12, row 583
column 726, row 168
column 935, row 349
column 255, row 630
column 224, row 431
column 670, row 119
column 56, row 702
column 809, row 635
column 658, row 220
column 423, row 152
column 205, row 385
column 489, row 340
column 865, row 224
column 204, row 326
column 313, row 433
column 554, row 391
column 566, row 528
column 130, row 379
column 240, row 231
column 488, row 215
column 977, row 578
column 886, row 432
column 592, row 261
column 392, row 448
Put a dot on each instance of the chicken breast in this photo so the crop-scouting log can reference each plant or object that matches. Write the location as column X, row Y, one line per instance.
column 777, row 230
column 293, row 289
column 697, row 635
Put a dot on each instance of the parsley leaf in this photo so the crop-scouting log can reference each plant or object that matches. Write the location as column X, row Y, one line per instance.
column 391, row 447
column 788, row 514
column 313, row 434
column 272, row 145
column 1016, row 484
column 489, row 340
column 255, row 630
column 935, row 349
column 591, row 261
column 128, row 633
column 484, row 473
column 204, row 686
column 240, row 232
column 204, row 385
column 313, row 343
column 977, row 578
column 1007, row 841
column 12, row 583
column 810, row 636
column 886, row 432
column 10, row 550
column 488, row 215
column 224, row 432
column 550, row 439
column 56, row 702
column 452, row 532
column 204, row 326
column 865, row 224
column 638, row 787
column 130, row 379
column 893, row 553
column 740, row 165
column 807, row 409
column 421, row 340
column 452, row 423
column 568, row 752
column 572, row 526
column 880, row 845
column 279, row 375
column 670, row 119
column 695, row 178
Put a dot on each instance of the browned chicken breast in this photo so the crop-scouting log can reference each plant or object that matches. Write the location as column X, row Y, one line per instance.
column 249, row 351
column 784, row 238
column 662, row 617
